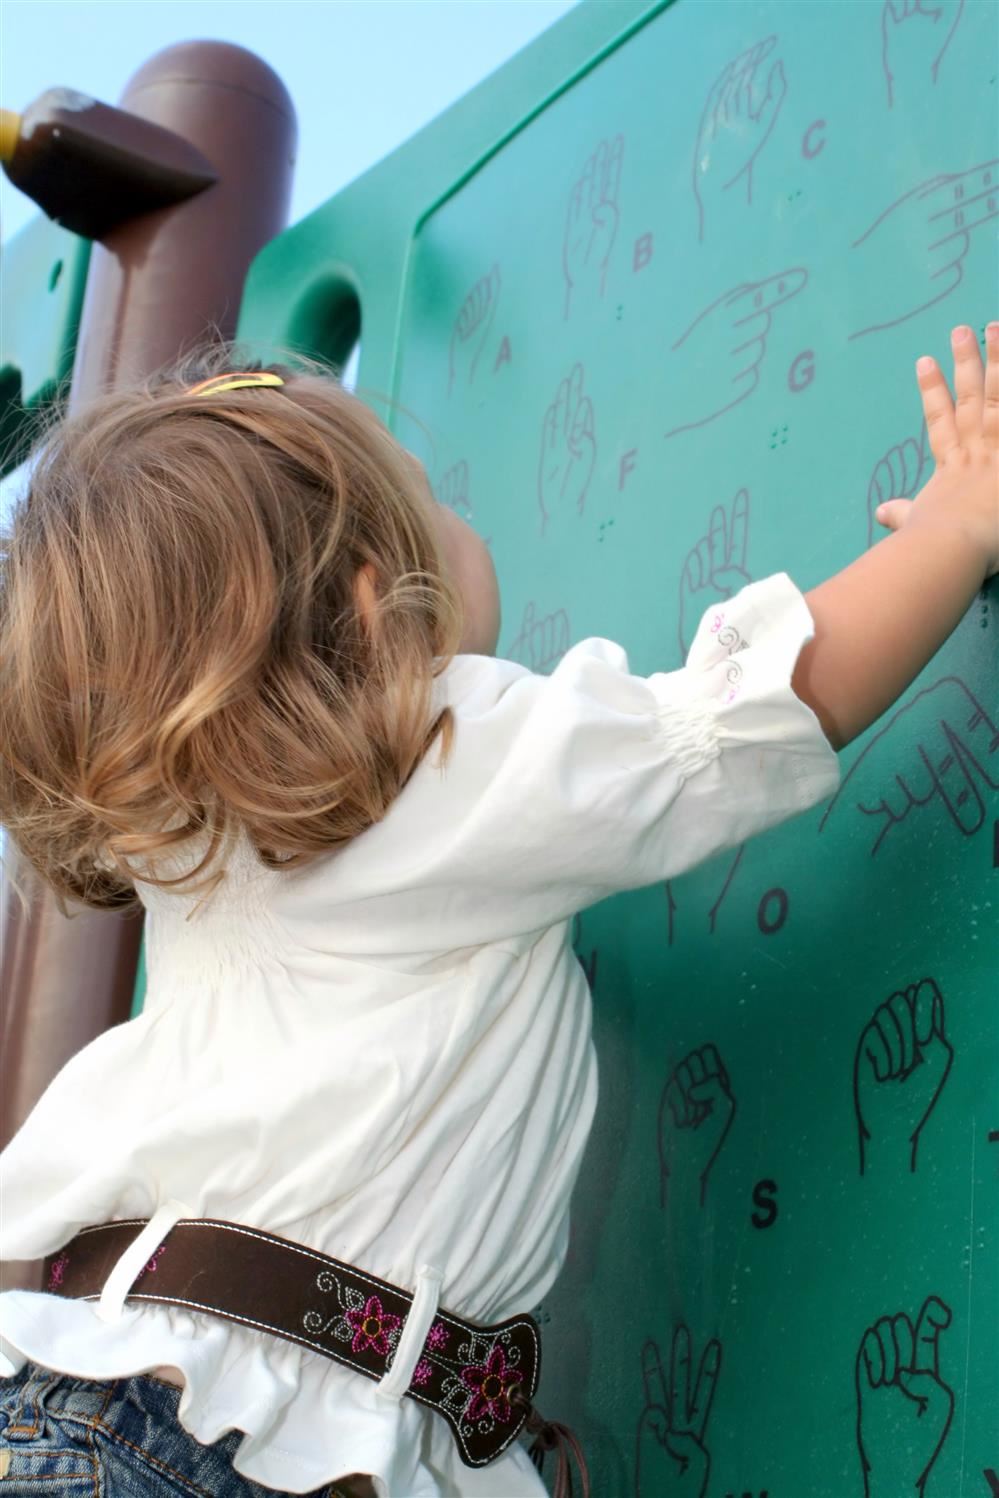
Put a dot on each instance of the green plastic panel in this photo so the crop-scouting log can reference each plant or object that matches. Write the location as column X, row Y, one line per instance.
column 647, row 305
column 141, row 977
column 42, row 279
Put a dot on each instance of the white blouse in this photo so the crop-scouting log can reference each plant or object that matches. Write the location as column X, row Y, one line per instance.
column 386, row 1056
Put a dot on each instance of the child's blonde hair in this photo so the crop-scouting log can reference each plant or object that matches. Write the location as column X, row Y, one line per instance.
column 181, row 648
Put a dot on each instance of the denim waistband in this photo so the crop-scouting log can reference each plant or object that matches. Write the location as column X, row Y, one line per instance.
column 29, row 1395
column 137, row 1419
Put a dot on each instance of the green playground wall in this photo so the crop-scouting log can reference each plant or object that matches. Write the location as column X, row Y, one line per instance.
column 43, row 272
column 646, row 304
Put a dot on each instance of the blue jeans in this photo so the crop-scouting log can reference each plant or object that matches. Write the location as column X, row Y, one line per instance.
column 83, row 1439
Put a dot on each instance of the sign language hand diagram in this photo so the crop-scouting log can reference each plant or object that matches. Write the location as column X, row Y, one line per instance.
column 696, row 1112
column 452, row 489
column 542, row 642
column 740, row 112
column 592, row 219
column 715, row 568
column 915, row 34
column 471, row 329
column 898, row 474
column 671, row 1457
column 928, row 230
column 568, row 450
column 717, row 360
column 955, row 758
column 904, row 1408
column 902, row 1061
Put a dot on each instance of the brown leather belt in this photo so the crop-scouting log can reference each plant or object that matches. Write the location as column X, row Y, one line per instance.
column 482, row 1379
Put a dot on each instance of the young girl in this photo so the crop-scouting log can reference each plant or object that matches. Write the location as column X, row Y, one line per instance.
column 246, row 669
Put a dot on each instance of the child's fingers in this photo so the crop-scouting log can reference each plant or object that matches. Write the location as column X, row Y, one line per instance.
column 969, row 385
column 990, row 419
column 894, row 513
column 938, row 408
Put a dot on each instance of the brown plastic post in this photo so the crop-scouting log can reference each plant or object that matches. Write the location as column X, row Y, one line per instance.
column 157, row 284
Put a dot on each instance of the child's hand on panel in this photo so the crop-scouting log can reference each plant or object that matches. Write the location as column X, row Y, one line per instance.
column 964, row 440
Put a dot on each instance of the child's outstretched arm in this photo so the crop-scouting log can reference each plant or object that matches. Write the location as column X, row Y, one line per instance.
column 880, row 620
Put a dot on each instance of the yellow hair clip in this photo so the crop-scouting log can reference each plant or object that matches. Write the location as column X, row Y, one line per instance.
column 218, row 383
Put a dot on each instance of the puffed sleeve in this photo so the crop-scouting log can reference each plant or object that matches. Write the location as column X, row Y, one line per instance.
column 560, row 790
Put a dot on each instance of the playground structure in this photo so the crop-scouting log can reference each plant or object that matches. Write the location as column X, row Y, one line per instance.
column 645, row 304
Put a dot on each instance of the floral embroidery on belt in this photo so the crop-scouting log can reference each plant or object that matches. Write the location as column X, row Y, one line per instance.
column 474, row 1379
column 371, row 1326
column 58, row 1271
column 491, row 1385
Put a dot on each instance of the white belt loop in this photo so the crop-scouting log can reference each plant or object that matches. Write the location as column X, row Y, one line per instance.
column 394, row 1383
column 136, row 1256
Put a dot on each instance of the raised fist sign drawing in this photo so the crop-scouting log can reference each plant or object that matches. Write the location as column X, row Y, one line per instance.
column 915, row 34
column 898, row 474
column 902, row 1061
column 953, row 763
column 716, row 362
column 715, row 567
column 568, row 450
column 542, row 641
column 671, row 1456
column 452, row 489
column 591, row 221
column 928, row 230
column 471, row 329
column 904, row 1408
column 739, row 114
column 696, row 1112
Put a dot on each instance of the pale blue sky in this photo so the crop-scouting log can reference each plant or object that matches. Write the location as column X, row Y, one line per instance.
column 364, row 74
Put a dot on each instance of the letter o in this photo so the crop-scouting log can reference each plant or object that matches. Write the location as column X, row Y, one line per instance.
column 771, row 920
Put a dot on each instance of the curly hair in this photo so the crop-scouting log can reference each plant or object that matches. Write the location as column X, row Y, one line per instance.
column 182, row 651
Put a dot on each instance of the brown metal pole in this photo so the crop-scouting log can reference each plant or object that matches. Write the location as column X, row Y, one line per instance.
column 157, row 284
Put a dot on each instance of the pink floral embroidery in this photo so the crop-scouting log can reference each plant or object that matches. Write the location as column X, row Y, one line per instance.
column 491, row 1387
column 371, row 1327
column 150, row 1268
column 422, row 1373
column 717, row 622
column 437, row 1337
column 58, row 1271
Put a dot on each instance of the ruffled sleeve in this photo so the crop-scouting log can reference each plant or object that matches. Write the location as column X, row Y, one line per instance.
column 561, row 790
column 761, row 755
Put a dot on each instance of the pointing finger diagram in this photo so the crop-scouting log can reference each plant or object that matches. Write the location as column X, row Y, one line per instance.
column 930, row 230
column 716, row 362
